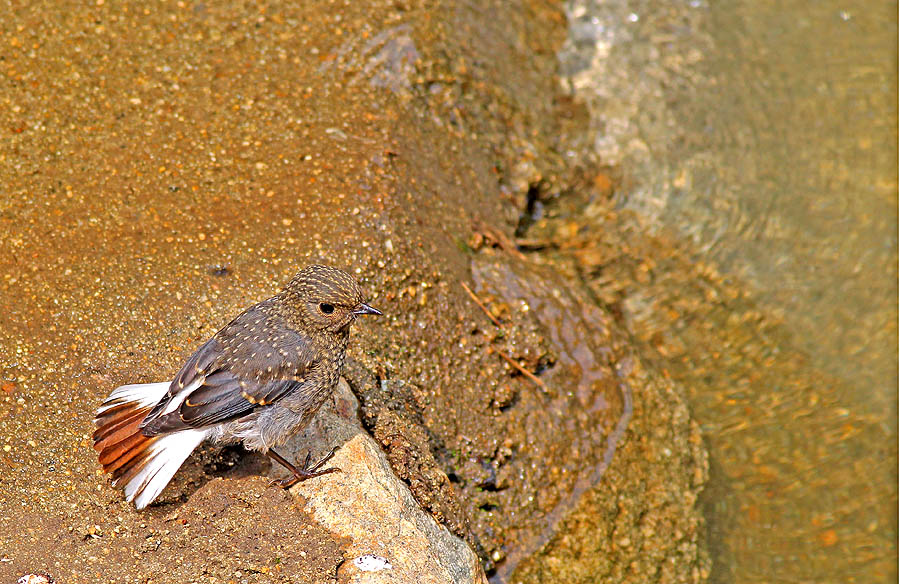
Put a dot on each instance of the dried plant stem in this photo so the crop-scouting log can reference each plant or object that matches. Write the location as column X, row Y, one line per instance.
column 480, row 304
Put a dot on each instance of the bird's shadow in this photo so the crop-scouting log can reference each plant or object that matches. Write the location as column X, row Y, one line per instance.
column 234, row 462
column 210, row 462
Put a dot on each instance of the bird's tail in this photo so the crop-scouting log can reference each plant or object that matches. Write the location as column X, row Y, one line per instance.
column 143, row 465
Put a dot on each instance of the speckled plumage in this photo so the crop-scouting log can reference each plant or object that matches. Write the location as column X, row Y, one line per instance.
column 258, row 380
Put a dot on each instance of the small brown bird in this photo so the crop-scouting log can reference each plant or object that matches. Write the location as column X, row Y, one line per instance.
column 257, row 381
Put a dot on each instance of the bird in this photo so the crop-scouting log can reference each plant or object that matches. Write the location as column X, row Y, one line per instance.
column 257, row 381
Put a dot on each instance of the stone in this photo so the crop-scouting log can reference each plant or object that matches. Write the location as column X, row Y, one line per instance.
column 389, row 537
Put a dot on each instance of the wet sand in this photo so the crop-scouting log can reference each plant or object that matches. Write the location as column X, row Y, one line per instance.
column 162, row 169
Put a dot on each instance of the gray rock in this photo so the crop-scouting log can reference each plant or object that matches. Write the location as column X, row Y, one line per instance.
column 391, row 539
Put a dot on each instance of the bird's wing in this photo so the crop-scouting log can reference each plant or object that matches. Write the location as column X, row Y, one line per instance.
column 251, row 363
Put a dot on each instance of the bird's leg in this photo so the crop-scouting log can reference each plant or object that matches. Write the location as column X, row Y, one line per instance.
column 302, row 473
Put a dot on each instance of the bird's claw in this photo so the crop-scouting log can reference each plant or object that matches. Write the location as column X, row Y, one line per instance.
column 306, row 471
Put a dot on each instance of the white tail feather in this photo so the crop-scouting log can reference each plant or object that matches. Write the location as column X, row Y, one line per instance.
column 168, row 454
column 142, row 394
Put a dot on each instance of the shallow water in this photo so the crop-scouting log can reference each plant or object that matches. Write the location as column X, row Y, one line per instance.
column 765, row 135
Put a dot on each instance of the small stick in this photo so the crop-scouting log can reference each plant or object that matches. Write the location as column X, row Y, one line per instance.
column 505, row 243
column 522, row 370
column 480, row 305
column 508, row 359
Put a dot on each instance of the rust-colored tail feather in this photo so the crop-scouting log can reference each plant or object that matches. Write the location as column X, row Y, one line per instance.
column 118, row 437
column 117, row 418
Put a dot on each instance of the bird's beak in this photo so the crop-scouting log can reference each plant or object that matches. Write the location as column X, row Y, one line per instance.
column 366, row 309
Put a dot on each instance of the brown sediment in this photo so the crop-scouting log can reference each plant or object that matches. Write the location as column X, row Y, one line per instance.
column 148, row 148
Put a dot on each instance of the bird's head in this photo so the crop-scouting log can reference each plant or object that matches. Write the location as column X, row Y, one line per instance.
column 326, row 298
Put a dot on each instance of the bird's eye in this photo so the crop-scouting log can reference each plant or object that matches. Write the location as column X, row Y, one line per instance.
column 326, row 308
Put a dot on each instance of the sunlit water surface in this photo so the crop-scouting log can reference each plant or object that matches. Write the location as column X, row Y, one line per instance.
column 765, row 134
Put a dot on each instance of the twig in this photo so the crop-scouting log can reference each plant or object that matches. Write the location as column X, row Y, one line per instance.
column 535, row 244
column 500, row 238
column 522, row 370
column 508, row 359
column 480, row 304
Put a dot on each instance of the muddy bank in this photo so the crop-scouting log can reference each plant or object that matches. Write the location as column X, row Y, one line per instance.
column 164, row 169
column 787, row 454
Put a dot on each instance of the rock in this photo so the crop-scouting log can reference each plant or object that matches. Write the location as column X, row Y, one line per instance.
column 36, row 579
column 391, row 539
